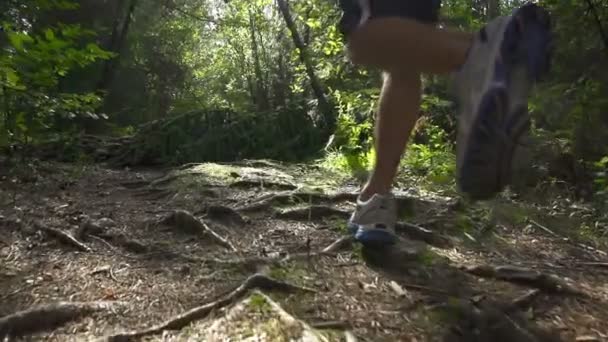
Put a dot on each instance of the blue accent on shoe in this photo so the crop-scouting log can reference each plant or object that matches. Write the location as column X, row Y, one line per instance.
column 352, row 227
column 375, row 238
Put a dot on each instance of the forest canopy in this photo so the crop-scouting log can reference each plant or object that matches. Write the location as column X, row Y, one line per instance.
column 223, row 80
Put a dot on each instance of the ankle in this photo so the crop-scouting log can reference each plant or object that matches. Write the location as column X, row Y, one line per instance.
column 368, row 193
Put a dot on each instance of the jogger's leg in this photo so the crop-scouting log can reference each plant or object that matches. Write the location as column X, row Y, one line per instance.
column 495, row 68
column 397, row 113
column 394, row 43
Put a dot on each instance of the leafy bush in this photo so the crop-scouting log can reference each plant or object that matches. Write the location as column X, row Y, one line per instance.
column 434, row 160
column 31, row 69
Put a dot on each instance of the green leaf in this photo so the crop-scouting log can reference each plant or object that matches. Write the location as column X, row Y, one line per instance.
column 18, row 39
column 49, row 34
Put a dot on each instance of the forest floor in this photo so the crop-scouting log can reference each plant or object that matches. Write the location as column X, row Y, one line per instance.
column 258, row 251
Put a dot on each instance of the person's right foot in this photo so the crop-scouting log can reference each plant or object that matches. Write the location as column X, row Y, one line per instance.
column 373, row 221
column 507, row 56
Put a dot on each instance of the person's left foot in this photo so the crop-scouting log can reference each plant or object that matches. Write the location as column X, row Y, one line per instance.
column 373, row 221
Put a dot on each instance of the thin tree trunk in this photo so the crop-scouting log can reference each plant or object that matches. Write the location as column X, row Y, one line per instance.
column 261, row 94
column 598, row 22
column 266, row 73
column 116, row 44
column 317, row 88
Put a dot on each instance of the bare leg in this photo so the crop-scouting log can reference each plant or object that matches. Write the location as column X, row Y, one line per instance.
column 399, row 43
column 405, row 48
column 397, row 114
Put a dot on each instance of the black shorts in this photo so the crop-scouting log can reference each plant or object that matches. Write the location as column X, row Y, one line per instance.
column 356, row 12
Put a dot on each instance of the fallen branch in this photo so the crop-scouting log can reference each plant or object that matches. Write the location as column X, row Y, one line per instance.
column 123, row 241
column 415, row 232
column 62, row 236
column 188, row 223
column 342, row 243
column 218, row 238
column 47, row 317
column 549, row 231
column 314, row 212
column 581, row 245
column 424, row 289
column 256, row 281
column 594, row 264
column 525, row 277
column 523, row 302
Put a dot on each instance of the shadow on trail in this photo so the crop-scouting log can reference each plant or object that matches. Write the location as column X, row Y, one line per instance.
column 469, row 313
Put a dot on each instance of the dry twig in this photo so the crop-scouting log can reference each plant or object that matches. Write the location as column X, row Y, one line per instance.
column 62, row 236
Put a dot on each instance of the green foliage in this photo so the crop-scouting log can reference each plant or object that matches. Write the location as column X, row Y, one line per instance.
column 225, row 135
column 433, row 160
column 237, row 60
column 32, row 66
column 601, row 177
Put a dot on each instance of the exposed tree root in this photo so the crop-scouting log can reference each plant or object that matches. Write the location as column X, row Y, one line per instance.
column 135, row 184
column 225, row 214
column 286, row 197
column 342, row 243
column 594, row 264
column 62, row 236
column 581, row 245
column 314, row 212
column 257, row 163
column 523, row 302
column 331, row 325
column 153, row 193
column 256, row 281
column 415, row 232
column 486, row 322
column 255, row 183
column 47, row 317
column 255, row 263
column 164, row 180
column 525, row 277
column 318, row 212
column 94, row 230
column 187, row 223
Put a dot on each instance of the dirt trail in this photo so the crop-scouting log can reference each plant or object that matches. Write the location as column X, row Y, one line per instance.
column 117, row 252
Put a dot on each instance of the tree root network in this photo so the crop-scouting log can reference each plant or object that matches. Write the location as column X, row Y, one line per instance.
column 297, row 196
column 256, row 281
column 525, row 277
column 186, row 222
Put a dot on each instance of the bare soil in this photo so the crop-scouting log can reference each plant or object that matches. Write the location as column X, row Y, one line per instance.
column 92, row 253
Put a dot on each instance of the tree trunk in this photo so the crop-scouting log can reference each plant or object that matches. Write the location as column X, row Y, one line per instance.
column 598, row 22
column 260, row 89
column 324, row 107
column 117, row 42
